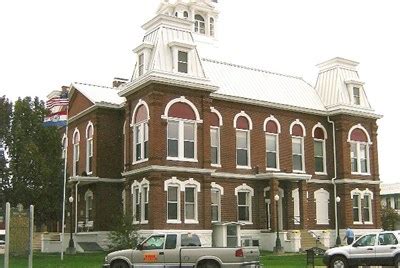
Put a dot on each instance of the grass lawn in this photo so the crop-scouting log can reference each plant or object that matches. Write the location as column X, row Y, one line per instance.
column 95, row 260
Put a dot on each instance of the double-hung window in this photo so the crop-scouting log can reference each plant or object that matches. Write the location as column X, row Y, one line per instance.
column 173, row 200
column 298, row 133
column 362, row 206
column 140, row 132
column 215, row 205
column 141, row 64
column 75, row 140
column 356, row 96
column 89, row 148
column 359, row 151
column 367, row 215
column 356, row 208
column 182, row 61
column 136, row 204
column 244, row 206
column 243, row 126
column 215, row 128
column 199, row 24
column 190, row 204
column 272, row 130
column 145, row 204
column 319, row 135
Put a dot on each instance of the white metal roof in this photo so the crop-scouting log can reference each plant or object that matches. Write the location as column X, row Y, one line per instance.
column 100, row 94
column 387, row 189
column 244, row 82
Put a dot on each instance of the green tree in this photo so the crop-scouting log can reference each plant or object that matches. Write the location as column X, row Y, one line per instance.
column 390, row 218
column 124, row 235
column 5, row 119
column 35, row 162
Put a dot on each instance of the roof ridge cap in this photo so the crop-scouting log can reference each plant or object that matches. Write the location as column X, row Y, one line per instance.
column 93, row 85
column 251, row 68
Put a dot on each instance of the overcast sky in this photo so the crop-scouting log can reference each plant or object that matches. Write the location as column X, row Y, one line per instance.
column 45, row 44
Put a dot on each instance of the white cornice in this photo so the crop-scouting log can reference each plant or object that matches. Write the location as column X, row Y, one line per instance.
column 92, row 108
column 169, row 79
column 232, row 175
column 284, row 176
column 356, row 181
column 94, row 179
column 167, row 168
column 165, row 20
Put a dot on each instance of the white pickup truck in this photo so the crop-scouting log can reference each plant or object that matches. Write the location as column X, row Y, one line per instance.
column 181, row 250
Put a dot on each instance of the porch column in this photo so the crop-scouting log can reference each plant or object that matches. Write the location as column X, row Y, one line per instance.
column 303, row 204
column 274, row 183
column 290, row 205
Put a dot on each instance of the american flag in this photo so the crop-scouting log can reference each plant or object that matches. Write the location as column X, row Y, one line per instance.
column 56, row 102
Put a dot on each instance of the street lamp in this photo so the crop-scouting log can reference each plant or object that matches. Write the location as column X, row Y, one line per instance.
column 338, row 242
column 71, row 245
column 278, row 246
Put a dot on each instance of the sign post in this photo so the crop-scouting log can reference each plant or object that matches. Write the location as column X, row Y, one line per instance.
column 7, row 248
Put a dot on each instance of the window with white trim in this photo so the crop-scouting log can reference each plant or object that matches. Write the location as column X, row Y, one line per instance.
column 136, row 204
column 199, row 24
column 64, row 147
column 185, row 14
column 190, row 204
column 362, row 206
column 89, row 148
column 244, row 206
column 145, row 204
column 215, row 205
column 173, row 201
column 140, row 132
column 271, row 154
column 322, row 206
column 215, row 146
column 183, row 61
column 359, row 151
column 298, row 132
column 356, row 208
column 182, row 132
column 319, row 135
column 242, row 126
column 356, row 96
column 367, row 210
column 212, row 27
column 75, row 166
column 141, row 64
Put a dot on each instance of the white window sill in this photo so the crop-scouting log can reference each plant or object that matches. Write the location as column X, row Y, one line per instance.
column 174, row 221
column 246, row 222
column 299, row 171
column 140, row 161
column 182, row 159
column 192, row 221
column 144, row 222
column 368, row 222
column 321, row 173
column 216, row 165
column 357, row 222
column 89, row 173
column 215, row 221
column 272, row 169
column 243, row 167
column 135, row 222
column 322, row 223
column 361, row 174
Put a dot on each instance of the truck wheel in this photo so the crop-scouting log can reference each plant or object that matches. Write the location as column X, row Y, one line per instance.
column 119, row 264
column 208, row 264
column 338, row 262
column 397, row 261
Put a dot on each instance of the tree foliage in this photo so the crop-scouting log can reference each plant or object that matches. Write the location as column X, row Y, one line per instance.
column 35, row 163
column 124, row 235
column 390, row 218
column 5, row 120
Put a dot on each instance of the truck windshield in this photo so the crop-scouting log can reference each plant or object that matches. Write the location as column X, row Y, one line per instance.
column 154, row 242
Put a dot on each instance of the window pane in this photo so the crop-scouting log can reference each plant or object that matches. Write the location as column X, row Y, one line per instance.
column 138, row 151
column 214, row 197
column 241, row 139
column 242, row 196
column 214, row 213
column 297, row 162
column 146, row 149
column 189, row 131
column 271, row 143
column 182, row 56
column 189, row 195
column 189, row 149
column 173, row 148
column 318, row 148
column 214, row 137
column 172, row 211
column 172, row 193
column 189, row 212
column 244, row 213
column 296, row 146
column 173, row 129
column 137, row 133
column 271, row 160
column 214, row 155
column 241, row 157
column 319, row 164
column 356, row 216
column 364, row 166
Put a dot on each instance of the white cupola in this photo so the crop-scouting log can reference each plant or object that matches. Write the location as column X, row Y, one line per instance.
column 339, row 85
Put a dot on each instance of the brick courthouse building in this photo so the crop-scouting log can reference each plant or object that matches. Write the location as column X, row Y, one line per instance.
column 192, row 143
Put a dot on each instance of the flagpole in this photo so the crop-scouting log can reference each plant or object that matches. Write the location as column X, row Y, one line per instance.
column 64, row 187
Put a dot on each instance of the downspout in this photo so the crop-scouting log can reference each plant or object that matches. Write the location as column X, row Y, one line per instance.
column 76, row 207
column 335, row 173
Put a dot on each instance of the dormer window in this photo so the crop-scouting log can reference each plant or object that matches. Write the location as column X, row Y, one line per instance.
column 185, row 14
column 212, row 31
column 182, row 62
column 141, row 64
column 356, row 96
column 199, row 25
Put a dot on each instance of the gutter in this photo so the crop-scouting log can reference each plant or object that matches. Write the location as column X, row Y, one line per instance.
column 335, row 172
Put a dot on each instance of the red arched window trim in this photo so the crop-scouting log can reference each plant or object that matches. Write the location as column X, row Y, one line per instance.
column 181, row 110
column 319, row 133
column 297, row 130
column 358, row 135
column 141, row 114
column 242, row 123
column 214, row 120
column 271, row 127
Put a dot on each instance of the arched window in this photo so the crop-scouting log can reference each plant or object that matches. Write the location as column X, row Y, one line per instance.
column 75, row 142
column 244, row 194
column 185, row 14
column 243, row 125
column 216, row 123
column 216, row 192
column 321, row 197
column 212, row 27
column 88, row 206
column 272, row 129
column 297, row 130
column 140, row 201
column 182, row 118
column 64, row 144
column 140, row 130
column 199, row 24
column 359, row 150
column 320, row 136
column 89, row 148
column 362, row 206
